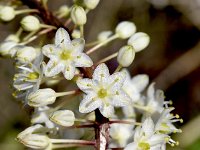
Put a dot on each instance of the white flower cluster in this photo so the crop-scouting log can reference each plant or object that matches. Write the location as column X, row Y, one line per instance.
column 114, row 99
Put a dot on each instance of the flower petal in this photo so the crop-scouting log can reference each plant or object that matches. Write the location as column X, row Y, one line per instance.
column 85, row 84
column 49, row 50
column 101, row 73
column 140, row 81
column 83, row 60
column 78, row 45
column 131, row 146
column 89, row 103
column 62, row 36
column 107, row 111
column 151, row 91
column 53, row 68
column 69, row 71
column 117, row 80
column 148, row 127
column 120, row 99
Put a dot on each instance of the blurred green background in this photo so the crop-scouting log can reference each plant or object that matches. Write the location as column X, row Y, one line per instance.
column 172, row 60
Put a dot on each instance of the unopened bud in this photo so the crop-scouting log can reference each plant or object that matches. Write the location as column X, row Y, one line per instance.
column 12, row 37
column 7, row 13
column 125, row 29
column 5, row 48
column 126, row 55
column 139, row 41
column 78, row 15
column 91, row 4
column 42, row 97
column 63, row 117
column 30, row 23
column 26, row 54
column 64, row 11
column 102, row 36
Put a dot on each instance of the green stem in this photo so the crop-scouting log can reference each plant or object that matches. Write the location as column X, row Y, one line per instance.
column 17, row 12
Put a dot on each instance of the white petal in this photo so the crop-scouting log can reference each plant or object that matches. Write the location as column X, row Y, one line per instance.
column 129, row 111
column 49, row 50
column 117, row 80
column 85, row 84
column 89, row 103
column 148, row 127
column 62, row 36
column 69, row 72
column 107, row 111
column 78, row 45
column 157, row 139
column 101, row 73
column 83, row 60
column 53, row 68
column 151, row 91
column 131, row 146
column 140, row 81
column 120, row 99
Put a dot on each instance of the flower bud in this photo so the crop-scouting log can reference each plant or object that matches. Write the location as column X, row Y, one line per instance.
column 126, row 55
column 76, row 34
column 7, row 13
column 12, row 37
column 5, row 48
column 64, row 11
column 139, row 41
column 78, row 15
column 64, row 118
column 91, row 4
column 42, row 97
column 36, row 141
column 125, row 29
column 102, row 36
column 30, row 23
column 26, row 54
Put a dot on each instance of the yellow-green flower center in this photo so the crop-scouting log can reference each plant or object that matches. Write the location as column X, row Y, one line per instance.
column 33, row 75
column 102, row 93
column 144, row 146
column 65, row 55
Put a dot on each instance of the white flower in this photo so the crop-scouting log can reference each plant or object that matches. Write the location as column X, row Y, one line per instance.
column 104, row 35
column 103, row 91
column 91, row 4
column 165, row 122
column 26, row 54
column 120, row 134
column 139, row 41
column 64, row 118
column 78, row 15
column 30, row 23
column 125, row 29
column 145, row 137
column 7, row 13
column 126, row 55
column 42, row 97
column 65, row 55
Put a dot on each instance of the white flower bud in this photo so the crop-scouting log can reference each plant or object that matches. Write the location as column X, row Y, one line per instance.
column 12, row 37
column 30, row 23
column 7, row 13
column 6, row 48
column 28, row 131
column 42, row 97
column 91, row 4
column 36, row 141
column 139, row 41
column 64, row 10
column 104, row 35
column 26, row 54
column 76, row 34
column 126, row 55
column 78, row 15
column 64, row 118
column 125, row 29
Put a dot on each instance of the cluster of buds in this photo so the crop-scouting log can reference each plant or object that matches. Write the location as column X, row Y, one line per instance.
column 145, row 116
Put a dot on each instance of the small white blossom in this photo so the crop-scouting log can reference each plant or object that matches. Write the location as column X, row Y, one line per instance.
column 125, row 29
column 120, row 134
column 145, row 137
column 104, row 35
column 126, row 55
column 139, row 41
column 30, row 23
column 42, row 97
column 103, row 91
column 7, row 13
column 78, row 15
column 65, row 55
column 64, row 118
column 91, row 4
column 26, row 54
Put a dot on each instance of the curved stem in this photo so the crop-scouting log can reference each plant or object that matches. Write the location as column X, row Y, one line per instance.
column 72, row 141
column 17, row 12
column 107, row 58
column 125, row 122
column 66, row 93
